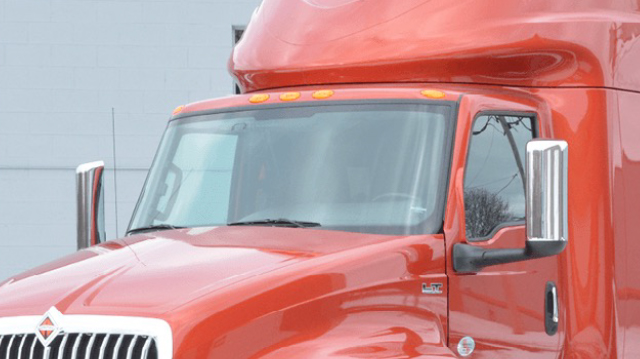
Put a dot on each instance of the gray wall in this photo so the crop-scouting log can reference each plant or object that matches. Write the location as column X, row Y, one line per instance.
column 63, row 66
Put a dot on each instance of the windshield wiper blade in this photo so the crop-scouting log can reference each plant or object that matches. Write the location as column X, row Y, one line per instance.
column 280, row 222
column 156, row 227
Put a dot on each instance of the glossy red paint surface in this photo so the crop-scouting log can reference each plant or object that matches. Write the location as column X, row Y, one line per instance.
column 295, row 293
column 549, row 43
column 501, row 307
column 308, row 293
column 596, row 275
column 341, row 93
column 626, row 169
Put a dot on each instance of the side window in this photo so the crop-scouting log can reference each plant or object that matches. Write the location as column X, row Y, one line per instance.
column 494, row 179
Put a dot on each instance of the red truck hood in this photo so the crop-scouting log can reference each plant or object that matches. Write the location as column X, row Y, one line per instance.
column 152, row 274
column 216, row 287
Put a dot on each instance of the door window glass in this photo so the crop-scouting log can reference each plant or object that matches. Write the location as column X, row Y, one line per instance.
column 494, row 179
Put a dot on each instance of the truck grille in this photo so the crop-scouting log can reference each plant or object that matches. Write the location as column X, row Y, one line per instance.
column 79, row 346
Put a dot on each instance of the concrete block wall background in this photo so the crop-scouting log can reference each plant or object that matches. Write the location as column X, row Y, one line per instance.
column 64, row 65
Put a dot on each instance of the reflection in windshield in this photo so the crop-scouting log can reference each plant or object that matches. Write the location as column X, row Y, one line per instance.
column 378, row 168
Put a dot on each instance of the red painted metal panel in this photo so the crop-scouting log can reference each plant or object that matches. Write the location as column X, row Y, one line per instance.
column 589, row 43
column 237, row 292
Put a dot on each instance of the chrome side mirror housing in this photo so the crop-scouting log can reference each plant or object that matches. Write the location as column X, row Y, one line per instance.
column 90, row 204
column 547, row 223
column 547, row 197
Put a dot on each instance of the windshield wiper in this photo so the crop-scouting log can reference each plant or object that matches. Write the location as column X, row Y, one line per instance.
column 280, row 222
column 156, row 227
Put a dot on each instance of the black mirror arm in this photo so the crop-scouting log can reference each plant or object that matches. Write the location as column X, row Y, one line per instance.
column 469, row 258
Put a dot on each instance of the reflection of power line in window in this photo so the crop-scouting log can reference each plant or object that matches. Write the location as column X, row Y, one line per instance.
column 486, row 158
column 510, row 125
column 507, row 129
column 495, row 181
column 515, row 175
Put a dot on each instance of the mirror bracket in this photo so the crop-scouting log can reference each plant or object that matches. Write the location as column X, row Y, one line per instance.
column 469, row 258
column 546, row 211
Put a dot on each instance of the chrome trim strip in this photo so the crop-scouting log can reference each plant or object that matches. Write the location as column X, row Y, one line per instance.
column 76, row 345
column 33, row 347
column 145, row 348
column 103, row 324
column 132, row 344
column 547, row 190
column 116, row 349
column 63, row 345
column 554, row 294
column 9, row 347
column 24, row 337
column 46, row 354
column 104, row 346
column 87, row 355
column 90, row 204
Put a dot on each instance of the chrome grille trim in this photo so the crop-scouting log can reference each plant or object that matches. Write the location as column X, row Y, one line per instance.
column 103, row 347
column 87, row 355
column 131, row 346
column 87, row 335
column 63, row 345
column 117, row 348
column 145, row 349
column 24, row 337
column 28, row 346
column 76, row 345
column 33, row 347
column 9, row 347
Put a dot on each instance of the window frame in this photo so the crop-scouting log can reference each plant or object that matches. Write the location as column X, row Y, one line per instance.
column 535, row 134
column 452, row 128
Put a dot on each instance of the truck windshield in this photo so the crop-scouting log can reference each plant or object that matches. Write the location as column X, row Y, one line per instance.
column 369, row 168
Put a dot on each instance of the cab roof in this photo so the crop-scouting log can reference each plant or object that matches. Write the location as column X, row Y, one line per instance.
column 542, row 43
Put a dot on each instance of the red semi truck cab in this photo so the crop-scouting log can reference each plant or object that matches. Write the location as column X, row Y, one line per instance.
column 413, row 179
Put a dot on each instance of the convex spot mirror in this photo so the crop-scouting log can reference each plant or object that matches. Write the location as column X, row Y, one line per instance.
column 546, row 211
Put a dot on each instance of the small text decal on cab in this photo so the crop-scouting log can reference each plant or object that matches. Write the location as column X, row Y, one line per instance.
column 433, row 288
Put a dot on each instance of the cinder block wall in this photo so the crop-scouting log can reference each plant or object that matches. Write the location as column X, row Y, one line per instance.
column 64, row 65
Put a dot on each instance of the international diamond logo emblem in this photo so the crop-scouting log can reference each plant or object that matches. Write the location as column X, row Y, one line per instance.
column 48, row 328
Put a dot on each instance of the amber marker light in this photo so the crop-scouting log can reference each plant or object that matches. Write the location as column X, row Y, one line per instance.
column 259, row 98
column 290, row 96
column 435, row 94
column 322, row 94
column 177, row 110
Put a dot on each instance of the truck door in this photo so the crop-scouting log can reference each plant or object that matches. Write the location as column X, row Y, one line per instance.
column 500, row 311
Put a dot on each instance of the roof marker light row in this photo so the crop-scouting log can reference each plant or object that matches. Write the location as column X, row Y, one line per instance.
column 291, row 96
column 318, row 95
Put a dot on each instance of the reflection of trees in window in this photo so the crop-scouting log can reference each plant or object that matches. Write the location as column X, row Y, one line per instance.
column 485, row 210
column 494, row 181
